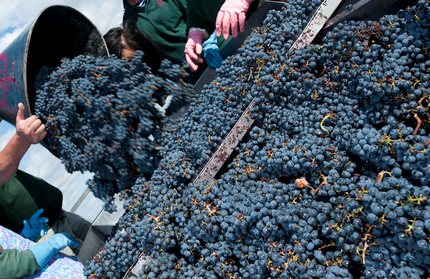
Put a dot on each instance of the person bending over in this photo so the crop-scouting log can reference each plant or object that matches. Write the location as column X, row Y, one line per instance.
column 124, row 41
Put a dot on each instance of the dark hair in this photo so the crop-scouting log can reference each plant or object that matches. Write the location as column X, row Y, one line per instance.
column 128, row 37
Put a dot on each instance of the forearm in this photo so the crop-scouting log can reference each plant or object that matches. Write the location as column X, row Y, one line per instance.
column 28, row 131
column 10, row 157
column 17, row 264
column 196, row 20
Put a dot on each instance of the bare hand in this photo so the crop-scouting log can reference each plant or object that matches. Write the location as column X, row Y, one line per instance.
column 30, row 130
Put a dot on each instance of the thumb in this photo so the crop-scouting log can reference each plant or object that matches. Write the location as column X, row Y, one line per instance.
column 70, row 240
column 75, row 243
column 21, row 113
column 42, row 221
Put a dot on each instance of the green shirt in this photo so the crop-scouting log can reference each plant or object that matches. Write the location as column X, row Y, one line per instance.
column 202, row 14
column 23, row 195
column 164, row 21
column 17, row 264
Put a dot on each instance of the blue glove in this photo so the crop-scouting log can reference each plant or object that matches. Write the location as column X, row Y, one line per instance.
column 35, row 227
column 211, row 51
column 43, row 252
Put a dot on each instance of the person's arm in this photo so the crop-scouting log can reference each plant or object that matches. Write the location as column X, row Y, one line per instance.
column 202, row 15
column 44, row 251
column 17, row 264
column 28, row 131
column 200, row 24
column 183, row 7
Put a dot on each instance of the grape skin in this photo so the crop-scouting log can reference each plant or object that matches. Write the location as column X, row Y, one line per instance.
column 101, row 115
column 340, row 115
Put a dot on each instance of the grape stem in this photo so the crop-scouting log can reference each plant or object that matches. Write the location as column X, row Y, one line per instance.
column 329, row 115
column 301, row 182
column 419, row 122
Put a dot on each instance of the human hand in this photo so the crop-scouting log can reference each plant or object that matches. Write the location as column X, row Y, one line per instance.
column 36, row 226
column 193, row 48
column 59, row 241
column 211, row 51
column 30, row 130
column 231, row 12
column 44, row 251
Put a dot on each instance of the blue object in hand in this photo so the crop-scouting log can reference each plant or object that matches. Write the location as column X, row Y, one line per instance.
column 36, row 226
column 211, row 51
column 43, row 252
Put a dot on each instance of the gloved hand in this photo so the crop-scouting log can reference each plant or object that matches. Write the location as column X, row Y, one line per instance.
column 35, row 227
column 228, row 16
column 193, row 48
column 211, row 51
column 43, row 252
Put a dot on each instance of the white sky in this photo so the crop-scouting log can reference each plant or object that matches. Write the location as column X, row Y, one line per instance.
column 15, row 16
column 18, row 14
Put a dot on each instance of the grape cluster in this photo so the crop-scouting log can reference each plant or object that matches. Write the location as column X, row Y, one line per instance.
column 332, row 181
column 102, row 117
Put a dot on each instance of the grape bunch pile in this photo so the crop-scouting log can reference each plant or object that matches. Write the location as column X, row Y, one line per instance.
column 102, row 117
column 331, row 182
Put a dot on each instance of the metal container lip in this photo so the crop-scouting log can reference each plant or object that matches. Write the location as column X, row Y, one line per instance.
column 24, row 62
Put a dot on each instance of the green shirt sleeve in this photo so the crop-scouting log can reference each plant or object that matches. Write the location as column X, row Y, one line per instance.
column 202, row 14
column 164, row 22
column 17, row 264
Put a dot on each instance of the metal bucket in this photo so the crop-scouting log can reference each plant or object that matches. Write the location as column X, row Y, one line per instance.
column 58, row 32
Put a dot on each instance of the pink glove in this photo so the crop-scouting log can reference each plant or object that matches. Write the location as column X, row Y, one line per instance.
column 193, row 48
column 231, row 11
